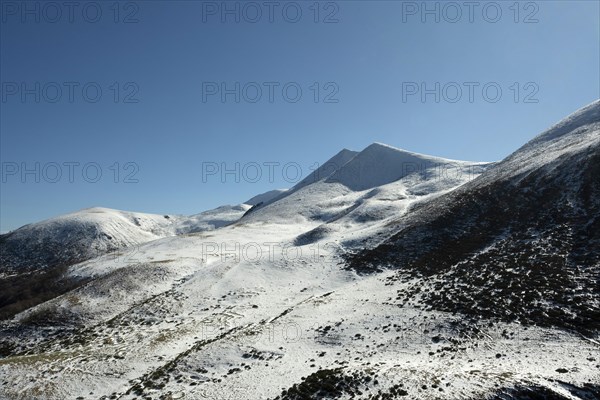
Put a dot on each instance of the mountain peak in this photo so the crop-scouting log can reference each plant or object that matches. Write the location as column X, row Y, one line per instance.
column 377, row 147
column 379, row 164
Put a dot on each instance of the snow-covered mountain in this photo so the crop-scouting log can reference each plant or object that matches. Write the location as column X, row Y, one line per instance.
column 91, row 232
column 384, row 274
column 79, row 236
column 380, row 164
column 524, row 237
column 367, row 186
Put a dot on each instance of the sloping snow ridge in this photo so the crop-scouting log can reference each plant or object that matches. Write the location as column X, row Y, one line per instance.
column 380, row 164
column 265, row 197
column 571, row 135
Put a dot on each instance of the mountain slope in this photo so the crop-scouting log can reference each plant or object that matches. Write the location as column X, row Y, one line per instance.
column 318, row 175
column 34, row 259
column 265, row 197
column 519, row 243
column 327, row 169
column 78, row 236
column 211, row 219
column 358, row 187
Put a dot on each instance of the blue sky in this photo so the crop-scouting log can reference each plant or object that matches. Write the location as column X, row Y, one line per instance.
column 159, row 118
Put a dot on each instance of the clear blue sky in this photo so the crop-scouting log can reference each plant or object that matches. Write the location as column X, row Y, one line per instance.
column 168, row 59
